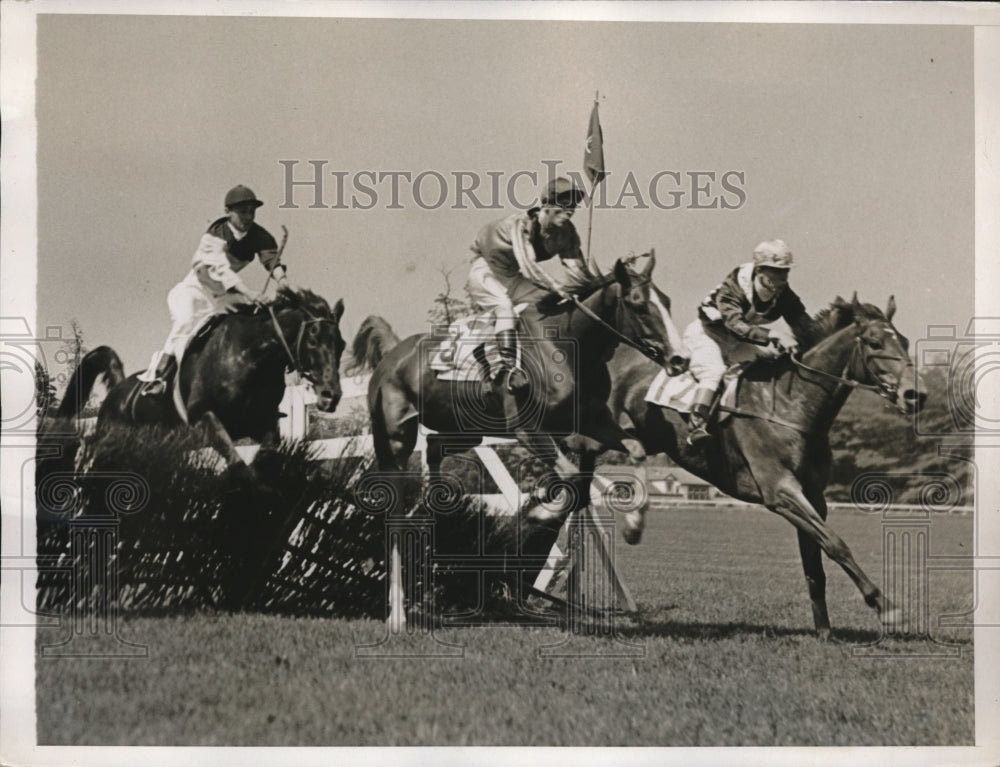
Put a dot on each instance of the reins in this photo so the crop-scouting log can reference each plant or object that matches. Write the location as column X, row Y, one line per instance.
column 294, row 357
column 883, row 390
column 887, row 391
column 647, row 350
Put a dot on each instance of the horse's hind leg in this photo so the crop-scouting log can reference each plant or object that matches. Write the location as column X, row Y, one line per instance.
column 790, row 502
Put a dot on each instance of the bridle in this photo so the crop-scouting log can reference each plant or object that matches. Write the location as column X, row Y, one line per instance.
column 888, row 390
column 294, row 357
column 647, row 350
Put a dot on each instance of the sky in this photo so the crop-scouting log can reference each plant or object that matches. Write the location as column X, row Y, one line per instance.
column 852, row 143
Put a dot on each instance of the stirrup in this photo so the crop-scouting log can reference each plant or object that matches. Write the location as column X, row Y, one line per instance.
column 698, row 434
column 153, row 388
column 508, row 374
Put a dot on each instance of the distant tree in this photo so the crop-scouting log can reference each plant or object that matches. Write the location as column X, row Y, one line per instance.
column 45, row 391
column 74, row 345
column 446, row 307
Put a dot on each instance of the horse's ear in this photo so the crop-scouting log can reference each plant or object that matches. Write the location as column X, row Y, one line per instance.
column 621, row 273
column 891, row 308
column 338, row 310
column 854, row 301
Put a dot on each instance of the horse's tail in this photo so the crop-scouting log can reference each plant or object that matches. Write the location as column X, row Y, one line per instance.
column 375, row 337
column 101, row 362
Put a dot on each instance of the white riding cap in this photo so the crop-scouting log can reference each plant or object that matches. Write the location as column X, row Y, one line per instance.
column 774, row 253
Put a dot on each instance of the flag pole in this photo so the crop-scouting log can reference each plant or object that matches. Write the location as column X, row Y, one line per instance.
column 590, row 206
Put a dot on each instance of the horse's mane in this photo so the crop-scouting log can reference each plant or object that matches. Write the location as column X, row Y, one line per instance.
column 292, row 298
column 837, row 316
column 550, row 303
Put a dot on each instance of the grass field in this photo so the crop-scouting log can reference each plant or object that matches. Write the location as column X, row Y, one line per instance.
column 726, row 657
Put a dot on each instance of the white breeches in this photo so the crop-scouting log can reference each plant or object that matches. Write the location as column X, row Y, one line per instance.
column 713, row 351
column 499, row 296
column 188, row 305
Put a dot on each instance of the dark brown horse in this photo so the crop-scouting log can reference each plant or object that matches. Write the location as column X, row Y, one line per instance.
column 775, row 449
column 59, row 435
column 232, row 377
column 565, row 348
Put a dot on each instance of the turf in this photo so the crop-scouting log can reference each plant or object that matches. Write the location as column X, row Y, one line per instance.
column 723, row 654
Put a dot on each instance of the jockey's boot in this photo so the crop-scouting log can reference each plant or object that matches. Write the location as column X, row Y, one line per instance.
column 479, row 353
column 164, row 370
column 515, row 378
column 700, row 411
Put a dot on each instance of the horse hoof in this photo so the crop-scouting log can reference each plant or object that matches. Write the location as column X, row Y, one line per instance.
column 632, row 535
column 892, row 618
column 823, row 634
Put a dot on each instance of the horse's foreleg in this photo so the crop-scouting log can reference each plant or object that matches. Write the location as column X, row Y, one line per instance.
column 790, row 502
column 568, row 491
column 219, row 438
column 601, row 426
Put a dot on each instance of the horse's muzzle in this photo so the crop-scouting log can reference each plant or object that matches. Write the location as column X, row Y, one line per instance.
column 911, row 400
column 912, row 395
column 327, row 401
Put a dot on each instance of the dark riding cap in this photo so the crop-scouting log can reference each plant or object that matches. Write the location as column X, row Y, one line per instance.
column 239, row 194
column 562, row 192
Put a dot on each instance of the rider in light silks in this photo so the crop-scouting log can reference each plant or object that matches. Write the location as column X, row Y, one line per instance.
column 213, row 285
column 508, row 266
column 733, row 320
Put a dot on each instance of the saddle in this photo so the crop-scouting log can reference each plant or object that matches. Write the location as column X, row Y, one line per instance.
column 453, row 350
column 677, row 392
column 172, row 380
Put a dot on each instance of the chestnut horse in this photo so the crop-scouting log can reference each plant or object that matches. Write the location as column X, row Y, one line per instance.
column 774, row 448
column 565, row 346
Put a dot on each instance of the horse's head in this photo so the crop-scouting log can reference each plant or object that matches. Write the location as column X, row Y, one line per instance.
column 318, row 345
column 644, row 317
column 881, row 357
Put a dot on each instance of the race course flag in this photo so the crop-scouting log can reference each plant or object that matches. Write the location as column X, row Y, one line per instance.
column 593, row 156
column 593, row 164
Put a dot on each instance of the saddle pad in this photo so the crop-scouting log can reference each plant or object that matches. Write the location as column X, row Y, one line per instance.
column 677, row 392
column 453, row 359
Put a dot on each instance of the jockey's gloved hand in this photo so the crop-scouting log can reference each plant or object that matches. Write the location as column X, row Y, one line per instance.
column 279, row 272
column 779, row 345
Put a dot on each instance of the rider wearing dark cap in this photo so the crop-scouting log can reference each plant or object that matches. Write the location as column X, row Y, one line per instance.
column 213, row 284
column 506, row 268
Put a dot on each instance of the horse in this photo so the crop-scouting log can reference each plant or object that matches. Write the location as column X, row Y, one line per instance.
column 774, row 448
column 58, row 435
column 101, row 363
column 232, row 375
column 566, row 396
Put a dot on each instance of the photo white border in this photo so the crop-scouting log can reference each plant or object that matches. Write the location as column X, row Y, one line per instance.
column 18, row 241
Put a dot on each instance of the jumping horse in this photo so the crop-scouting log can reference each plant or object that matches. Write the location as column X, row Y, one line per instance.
column 566, row 345
column 232, row 375
column 774, row 448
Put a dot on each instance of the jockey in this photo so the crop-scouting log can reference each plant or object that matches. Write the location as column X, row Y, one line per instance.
column 507, row 268
column 732, row 320
column 213, row 285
